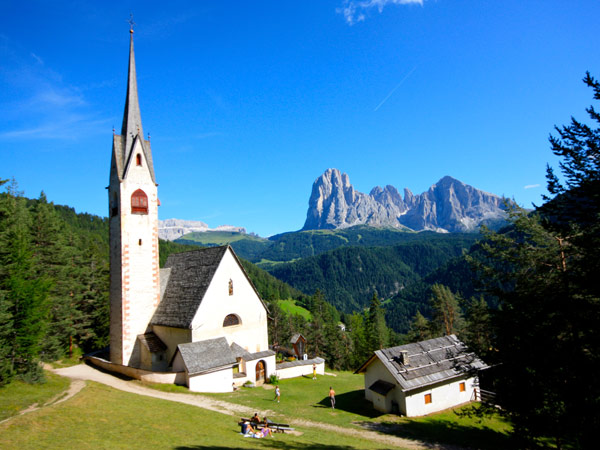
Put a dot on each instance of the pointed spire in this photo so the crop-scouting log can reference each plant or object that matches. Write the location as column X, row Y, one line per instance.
column 132, row 119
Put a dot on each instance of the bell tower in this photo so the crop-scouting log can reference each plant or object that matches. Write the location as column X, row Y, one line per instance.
column 133, row 224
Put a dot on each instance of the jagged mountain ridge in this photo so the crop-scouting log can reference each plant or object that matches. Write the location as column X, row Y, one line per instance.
column 171, row 229
column 448, row 206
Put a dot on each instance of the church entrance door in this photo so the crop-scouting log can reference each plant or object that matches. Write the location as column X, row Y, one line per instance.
column 260, row 372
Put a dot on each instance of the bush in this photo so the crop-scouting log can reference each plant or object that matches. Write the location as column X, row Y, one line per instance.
column 273, row 379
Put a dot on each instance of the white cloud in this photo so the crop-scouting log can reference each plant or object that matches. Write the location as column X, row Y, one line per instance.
column 354, row 10
column 531, row 186
column 37, row 58
column 39, row 104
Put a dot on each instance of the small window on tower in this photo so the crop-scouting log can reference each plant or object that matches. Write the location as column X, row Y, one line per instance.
column 230, row 286
column 139, row 202
column 138, row 159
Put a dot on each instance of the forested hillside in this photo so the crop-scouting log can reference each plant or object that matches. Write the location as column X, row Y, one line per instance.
column 349, row 276
column 302, row 244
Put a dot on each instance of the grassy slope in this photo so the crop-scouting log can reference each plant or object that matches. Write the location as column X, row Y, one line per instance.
column 101, row 417
column 290, row 307
column 18, row 395
column 305, row 398
column 219, row 237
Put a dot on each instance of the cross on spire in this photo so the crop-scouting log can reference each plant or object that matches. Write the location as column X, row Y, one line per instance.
column 131, row 22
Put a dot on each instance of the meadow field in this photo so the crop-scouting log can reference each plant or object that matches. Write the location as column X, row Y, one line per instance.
column 102, row 417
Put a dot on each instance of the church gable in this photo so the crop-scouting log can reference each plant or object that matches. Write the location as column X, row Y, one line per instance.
column 190, row 276
column 139, row 158
column 232, row 308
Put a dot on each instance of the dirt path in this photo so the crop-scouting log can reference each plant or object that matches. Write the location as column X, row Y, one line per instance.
column 74, row 388
column 82, row 372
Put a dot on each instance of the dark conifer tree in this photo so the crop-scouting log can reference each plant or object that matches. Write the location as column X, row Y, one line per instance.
column 544, row 271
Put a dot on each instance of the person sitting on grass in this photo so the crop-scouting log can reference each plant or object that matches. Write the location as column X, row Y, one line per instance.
column 247, row 429
column 266, row 431
column 255, row 418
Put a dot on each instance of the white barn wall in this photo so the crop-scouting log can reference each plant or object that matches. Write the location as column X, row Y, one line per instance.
column 377, row 371
column 443, row 396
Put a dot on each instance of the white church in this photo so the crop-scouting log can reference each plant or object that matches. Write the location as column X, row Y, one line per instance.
column 199, row 321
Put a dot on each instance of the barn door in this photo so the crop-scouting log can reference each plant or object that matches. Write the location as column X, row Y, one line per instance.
column 260, row 372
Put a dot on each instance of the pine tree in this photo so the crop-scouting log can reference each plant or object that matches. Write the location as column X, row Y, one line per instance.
column 376, row 329
column 420, row 329
column 447, row 313
column 358, row 337
column 544, row 271
column 24, row 292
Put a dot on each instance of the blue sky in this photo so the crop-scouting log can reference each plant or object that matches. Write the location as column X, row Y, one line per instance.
column 247, row 103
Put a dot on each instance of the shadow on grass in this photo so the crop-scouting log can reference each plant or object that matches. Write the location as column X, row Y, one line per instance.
column 274, row 444
column 352, row 402
column 108, row 372
column 444, row 431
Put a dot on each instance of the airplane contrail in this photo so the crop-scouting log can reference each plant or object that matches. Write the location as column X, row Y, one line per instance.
column 394, row 90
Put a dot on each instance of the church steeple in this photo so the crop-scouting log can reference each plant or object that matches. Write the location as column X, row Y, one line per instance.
column 133, row 225
column 132, row 119
column 132, row 132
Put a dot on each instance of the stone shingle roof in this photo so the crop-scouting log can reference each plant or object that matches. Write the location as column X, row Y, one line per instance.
column 183, row 284
column 300, row 362
column 260, row 355
column 189, row 278
column 382, row 387
column 240, row 352
column 152, row 342
column 207, row 355
column 429, row 362
column 296, row 337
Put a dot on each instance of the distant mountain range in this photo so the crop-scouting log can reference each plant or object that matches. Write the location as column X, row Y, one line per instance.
column 171, row 229
column 448, row 206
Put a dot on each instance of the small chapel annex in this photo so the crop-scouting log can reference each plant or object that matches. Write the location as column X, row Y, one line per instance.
column 198, row 321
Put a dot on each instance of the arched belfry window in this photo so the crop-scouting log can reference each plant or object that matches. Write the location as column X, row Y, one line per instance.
column 138, row 159
column 231, row 320
column 230, row 286
column 139, row 202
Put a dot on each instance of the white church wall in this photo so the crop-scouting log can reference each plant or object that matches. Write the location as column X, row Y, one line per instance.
column 139, row 286
column 251, row 334
column 172, row 337
column 219, row 381
column 300, row 370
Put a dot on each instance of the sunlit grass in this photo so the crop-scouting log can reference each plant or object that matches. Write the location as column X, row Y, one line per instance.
column 19, row 395
column 102, row 417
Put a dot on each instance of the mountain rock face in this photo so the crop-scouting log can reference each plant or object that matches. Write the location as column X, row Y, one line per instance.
column 172, row 229
column 448, row 206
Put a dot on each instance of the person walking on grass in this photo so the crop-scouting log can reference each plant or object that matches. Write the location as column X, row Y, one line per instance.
column 332, row 397
column 277, row 394
column 314, row 371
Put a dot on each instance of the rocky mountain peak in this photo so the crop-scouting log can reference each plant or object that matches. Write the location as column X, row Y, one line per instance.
column 448, row 206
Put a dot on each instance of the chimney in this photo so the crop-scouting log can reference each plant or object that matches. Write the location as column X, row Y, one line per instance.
column 404, row 357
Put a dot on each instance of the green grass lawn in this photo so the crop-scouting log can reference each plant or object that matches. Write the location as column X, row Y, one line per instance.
column 19, row 395
column 308, row 399
column 102, row 417
column 290, row 307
